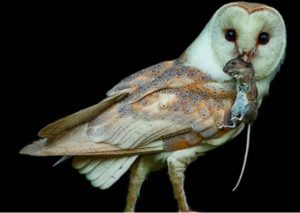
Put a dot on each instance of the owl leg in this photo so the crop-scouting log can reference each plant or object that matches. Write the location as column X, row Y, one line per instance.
column 177, row 164
column 137, row 178
column 138, row 173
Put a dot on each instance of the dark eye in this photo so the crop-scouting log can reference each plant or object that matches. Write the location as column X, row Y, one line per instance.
column 230, row 35
column 263, row 38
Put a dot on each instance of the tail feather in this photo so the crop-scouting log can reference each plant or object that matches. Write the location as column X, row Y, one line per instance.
column 89, row 166
column 98, row 171
column 79, row 163
column 103, row 172
column 112, row 177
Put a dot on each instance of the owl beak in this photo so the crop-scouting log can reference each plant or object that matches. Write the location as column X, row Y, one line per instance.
column 246, row 55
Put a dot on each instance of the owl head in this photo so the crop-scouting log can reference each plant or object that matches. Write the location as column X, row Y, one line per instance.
column 254, row 32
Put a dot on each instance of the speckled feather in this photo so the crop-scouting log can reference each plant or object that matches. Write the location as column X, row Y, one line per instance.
column 169, row 104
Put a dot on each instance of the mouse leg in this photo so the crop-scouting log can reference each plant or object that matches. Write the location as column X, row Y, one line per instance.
column 227, row 126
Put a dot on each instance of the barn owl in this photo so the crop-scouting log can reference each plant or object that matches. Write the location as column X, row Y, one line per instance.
column 170, row 113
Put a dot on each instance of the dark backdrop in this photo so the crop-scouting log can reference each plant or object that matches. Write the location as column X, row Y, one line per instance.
column 62, row 57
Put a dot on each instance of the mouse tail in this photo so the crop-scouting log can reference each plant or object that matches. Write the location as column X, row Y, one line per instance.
column 245, row 158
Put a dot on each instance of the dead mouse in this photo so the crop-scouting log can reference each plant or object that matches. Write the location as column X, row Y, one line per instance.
column 245, row 107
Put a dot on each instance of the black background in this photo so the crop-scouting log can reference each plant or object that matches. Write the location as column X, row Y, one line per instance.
column 62, row 57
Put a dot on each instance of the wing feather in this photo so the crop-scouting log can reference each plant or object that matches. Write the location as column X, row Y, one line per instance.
column 79, row 117
column 138, row 79
column 131, row 132
column 181, row 99
column 75, row 142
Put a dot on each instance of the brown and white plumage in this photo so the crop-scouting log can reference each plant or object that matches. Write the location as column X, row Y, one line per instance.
column 167, row 114
column 140, row 111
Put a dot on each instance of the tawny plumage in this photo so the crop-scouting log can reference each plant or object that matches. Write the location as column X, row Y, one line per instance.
column 140, row 111
column 170, row 113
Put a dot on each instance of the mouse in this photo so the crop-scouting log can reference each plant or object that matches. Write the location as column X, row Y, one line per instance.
column 245, row 106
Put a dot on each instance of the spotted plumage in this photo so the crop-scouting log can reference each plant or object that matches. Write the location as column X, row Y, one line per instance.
column 171, row 94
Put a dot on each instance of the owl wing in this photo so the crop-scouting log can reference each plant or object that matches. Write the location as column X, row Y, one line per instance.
column 138, row 79
column 137, row 119
column 62, row 127
column 119, row 92
column 80, row 117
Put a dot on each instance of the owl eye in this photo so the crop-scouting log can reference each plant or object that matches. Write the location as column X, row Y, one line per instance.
column 230, row 35
column 263, row 38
